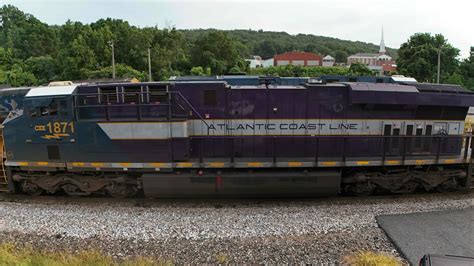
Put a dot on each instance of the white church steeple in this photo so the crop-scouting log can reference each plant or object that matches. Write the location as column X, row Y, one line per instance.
column 382, row 45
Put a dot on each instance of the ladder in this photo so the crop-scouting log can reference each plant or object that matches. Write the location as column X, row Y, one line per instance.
column 3, row 174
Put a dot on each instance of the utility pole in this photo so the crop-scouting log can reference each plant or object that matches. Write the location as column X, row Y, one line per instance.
column 111, row 43
column 439, row 64
column 149, row 65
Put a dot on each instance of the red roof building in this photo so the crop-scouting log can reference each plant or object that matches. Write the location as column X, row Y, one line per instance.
column 297, row 59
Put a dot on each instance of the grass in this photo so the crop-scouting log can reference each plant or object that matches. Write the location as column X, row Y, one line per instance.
column 10, row 255
column 370, row 258
column 222, row 258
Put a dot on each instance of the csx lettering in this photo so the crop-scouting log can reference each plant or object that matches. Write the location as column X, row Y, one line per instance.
column 40, row 128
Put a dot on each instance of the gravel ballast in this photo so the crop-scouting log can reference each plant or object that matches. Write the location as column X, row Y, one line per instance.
column 199, row 231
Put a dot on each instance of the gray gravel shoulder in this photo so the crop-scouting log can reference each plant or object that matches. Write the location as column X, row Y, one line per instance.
column 243, row 231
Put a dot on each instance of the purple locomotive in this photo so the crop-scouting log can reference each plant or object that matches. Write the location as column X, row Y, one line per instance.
column 209, row 138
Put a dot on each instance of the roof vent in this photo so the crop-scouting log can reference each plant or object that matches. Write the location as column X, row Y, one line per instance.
column 60, row 83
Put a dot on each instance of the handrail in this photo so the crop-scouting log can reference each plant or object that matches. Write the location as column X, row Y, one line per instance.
column 192, row 107
column 384, row 150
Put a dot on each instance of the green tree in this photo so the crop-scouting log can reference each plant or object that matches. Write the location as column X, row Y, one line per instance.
column 121, row 70
column 467, row 70
column 215, row 50
column 299, row 71
column 197, row 71
column 25, row 34
column 43, row 67
column 32, row 52
column 359, row 69
column 76, row 60
column 418, row 57
column 17, row 76
column 6, row 58
column 454, row 78
column 341, row 56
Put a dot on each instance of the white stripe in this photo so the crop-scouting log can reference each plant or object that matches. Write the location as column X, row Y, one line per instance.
column 271, row 127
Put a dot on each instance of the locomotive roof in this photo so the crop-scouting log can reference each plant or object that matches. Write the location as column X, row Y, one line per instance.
column 51, row 91
column 353, row 86
column 365, row 86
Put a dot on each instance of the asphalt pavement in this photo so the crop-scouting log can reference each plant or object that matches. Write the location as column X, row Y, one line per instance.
column 440, row 232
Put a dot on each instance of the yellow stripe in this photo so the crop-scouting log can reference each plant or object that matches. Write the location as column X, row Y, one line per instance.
column 255, row 164
column 125, row 164
column 184, row 164
column 42, row 163
column 78, row 164
column 362, row 162
column 328, row 163
column 23, row 163
column 392, row 162
column 419, row 162
column 157, row 165
column 97, row 164
column 293, row 164
column 450, row 161
column 217, row 164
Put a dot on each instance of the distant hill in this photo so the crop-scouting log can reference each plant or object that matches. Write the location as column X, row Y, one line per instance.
column 33, row 52
column 269, row 43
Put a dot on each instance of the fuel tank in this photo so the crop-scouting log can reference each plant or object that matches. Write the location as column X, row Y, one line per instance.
column 242, row 184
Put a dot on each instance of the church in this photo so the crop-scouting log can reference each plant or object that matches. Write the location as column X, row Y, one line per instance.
column 381, row 62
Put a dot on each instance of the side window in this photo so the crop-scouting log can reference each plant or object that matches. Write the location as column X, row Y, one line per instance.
column 52, row 109
column 33, row 111
column 408, row 141
column 108, row 95
column 396, row 140
column 132, row 95
column 210, row 97
column 418, row 141
column 427, row 142
column 63, row 110
column 429, row 129
column 419, row 131
column 387, row 131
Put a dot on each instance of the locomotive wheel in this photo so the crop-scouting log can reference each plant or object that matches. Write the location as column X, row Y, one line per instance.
column 360, row 189
column 120, row 191
column 31, row 188
column 73, row 190
column 447, row 186
column 408, row 188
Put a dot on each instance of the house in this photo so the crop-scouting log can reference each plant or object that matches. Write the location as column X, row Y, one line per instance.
column 255, row 62
column 297, row 59
column 380, row 62
column 268, row 62
column 328, row 60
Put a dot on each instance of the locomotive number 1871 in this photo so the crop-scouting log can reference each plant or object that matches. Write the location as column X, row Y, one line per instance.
column 56, row 127
column 60, row 127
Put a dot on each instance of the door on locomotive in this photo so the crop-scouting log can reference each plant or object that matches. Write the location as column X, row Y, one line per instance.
column 391, row 138
column 449, row 132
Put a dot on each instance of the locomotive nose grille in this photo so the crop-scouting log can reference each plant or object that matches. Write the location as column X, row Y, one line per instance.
column 53, row 152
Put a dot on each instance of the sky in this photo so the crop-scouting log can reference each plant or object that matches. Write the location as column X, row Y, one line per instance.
column 357, row 20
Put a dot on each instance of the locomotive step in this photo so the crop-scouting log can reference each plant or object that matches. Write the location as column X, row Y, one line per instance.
column 3, row 187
